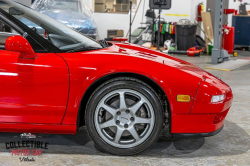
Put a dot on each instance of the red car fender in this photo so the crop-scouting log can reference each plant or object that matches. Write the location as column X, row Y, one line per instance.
column 171, row 75
column 80, row 89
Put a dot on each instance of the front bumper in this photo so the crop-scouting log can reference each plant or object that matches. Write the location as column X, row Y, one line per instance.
column 197, row 123
column 204, row 117
column 196, row 135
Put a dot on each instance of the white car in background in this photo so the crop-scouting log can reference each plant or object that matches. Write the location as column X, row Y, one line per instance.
column 73, row 13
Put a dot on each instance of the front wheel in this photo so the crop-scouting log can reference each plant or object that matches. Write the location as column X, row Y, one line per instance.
column 124, row 116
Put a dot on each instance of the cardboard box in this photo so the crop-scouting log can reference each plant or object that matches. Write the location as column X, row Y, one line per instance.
column 115, row 33
column 208, row 27
column 100, row 7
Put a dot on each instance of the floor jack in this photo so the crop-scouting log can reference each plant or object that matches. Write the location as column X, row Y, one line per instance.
column 193, row 52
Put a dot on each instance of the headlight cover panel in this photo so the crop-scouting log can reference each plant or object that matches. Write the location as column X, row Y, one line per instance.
column 212, row 86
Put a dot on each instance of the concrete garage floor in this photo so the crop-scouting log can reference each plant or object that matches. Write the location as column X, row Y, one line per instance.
column 230, row 147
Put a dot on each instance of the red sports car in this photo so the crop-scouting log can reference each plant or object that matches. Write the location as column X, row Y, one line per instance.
column 124, row 94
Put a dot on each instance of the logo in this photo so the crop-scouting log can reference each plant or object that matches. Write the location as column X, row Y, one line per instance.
column 27, row 148
column 124, row 118
column 27, row 135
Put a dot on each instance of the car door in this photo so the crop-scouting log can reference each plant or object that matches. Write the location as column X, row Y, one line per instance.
column 33, row 90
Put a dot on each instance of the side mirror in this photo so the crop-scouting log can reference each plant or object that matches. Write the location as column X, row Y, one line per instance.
column 21, row 45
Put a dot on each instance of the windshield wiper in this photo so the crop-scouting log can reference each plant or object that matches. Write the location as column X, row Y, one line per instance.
column 104, row 43
column 84, row 49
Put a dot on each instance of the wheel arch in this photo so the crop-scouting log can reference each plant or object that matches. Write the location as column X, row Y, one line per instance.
column 158, row 89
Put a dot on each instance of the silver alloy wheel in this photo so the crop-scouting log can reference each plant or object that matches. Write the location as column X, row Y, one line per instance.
column 126, row 125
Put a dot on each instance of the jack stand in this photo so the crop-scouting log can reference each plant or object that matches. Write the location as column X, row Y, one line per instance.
column 218, row 53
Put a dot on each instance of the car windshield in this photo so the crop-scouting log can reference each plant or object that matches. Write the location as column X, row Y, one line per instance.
column 61, row 36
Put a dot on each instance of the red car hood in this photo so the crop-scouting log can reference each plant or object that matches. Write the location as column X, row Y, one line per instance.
column 146, row 53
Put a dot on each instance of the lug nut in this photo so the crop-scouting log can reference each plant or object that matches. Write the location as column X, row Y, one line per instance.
column 127, row 111
column 117, row 122
column 126, row 125
column 118, row 113
column 132, row 119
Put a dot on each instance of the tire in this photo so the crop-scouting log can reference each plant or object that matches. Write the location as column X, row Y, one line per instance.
column 99, row 148
column 124, row 116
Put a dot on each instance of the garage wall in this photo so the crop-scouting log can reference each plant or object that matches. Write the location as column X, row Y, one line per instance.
column 121, row 21
column 193, row 13
column 235, row 5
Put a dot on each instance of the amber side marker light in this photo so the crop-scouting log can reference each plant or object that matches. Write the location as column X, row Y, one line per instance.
column 183, row 98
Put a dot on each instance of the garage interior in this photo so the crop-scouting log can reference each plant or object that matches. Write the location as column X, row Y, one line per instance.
column 223, row 52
